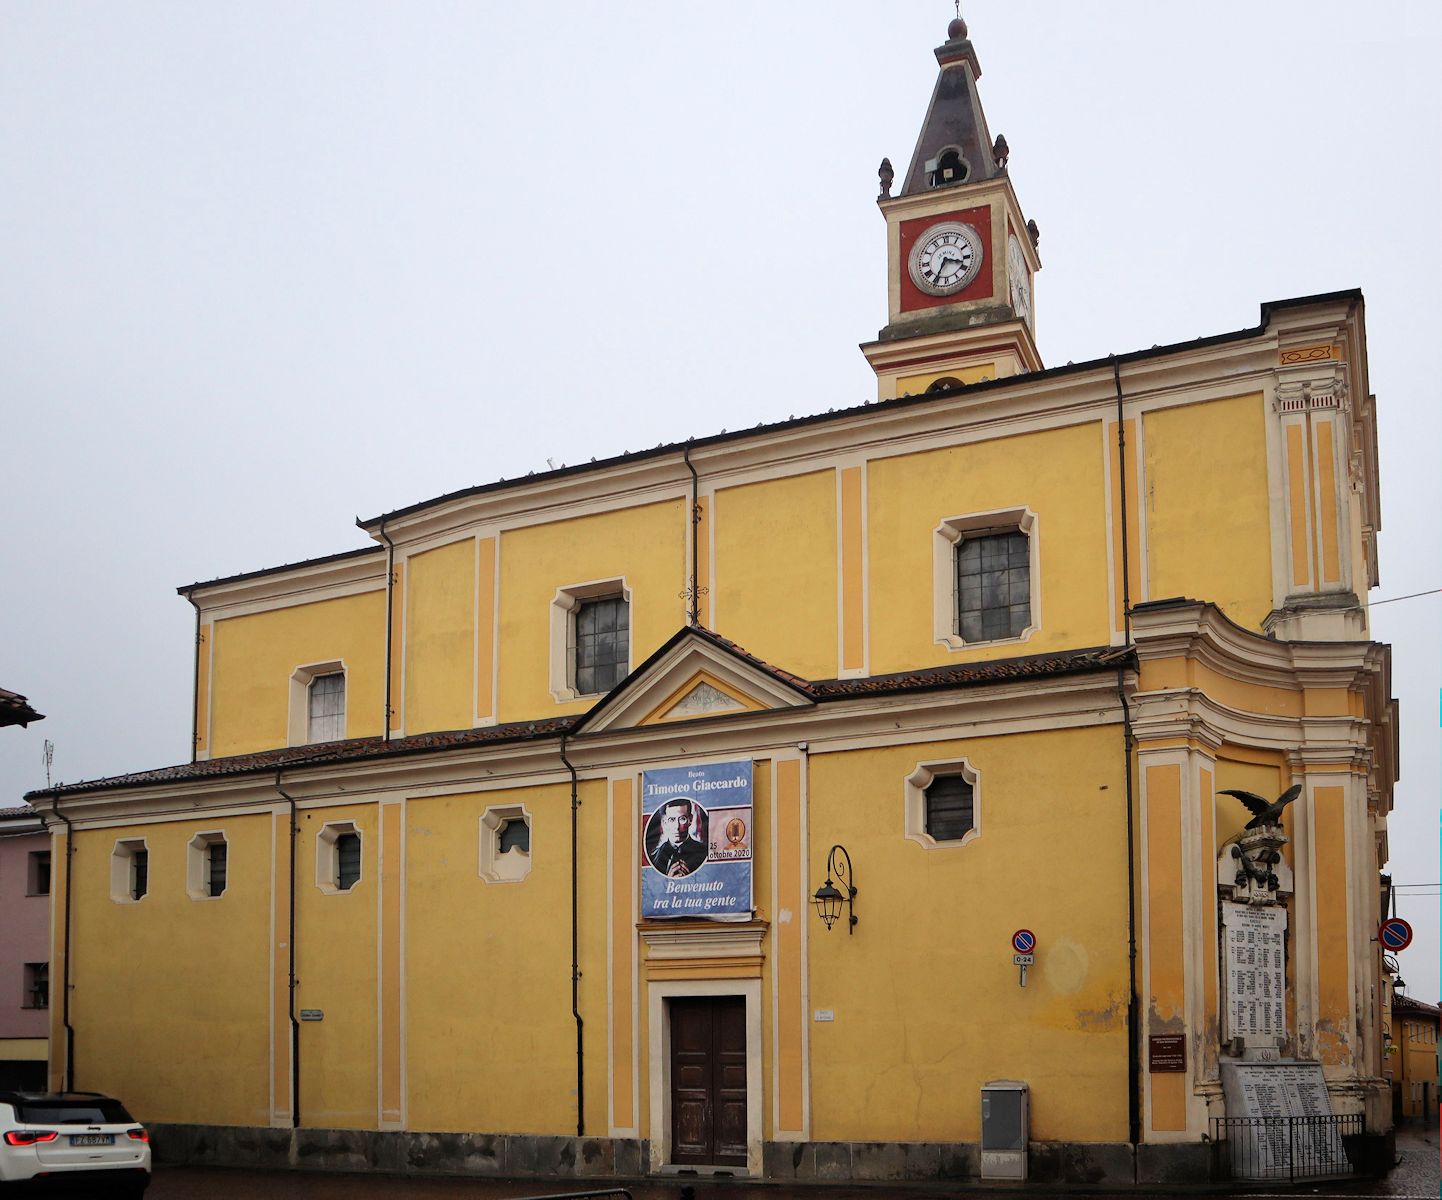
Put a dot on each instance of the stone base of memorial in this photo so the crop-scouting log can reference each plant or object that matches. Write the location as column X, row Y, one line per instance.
column 1268, row 1146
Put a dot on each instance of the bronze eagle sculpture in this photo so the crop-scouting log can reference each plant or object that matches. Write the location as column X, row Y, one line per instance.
column 1264, row 812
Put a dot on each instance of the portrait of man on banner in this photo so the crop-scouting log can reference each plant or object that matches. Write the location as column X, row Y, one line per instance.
column 696, row 841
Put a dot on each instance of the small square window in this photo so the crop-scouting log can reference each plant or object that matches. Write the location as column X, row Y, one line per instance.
column 207, row 866
column 505, row 853
column 948, row 808
column 942, row 804
column 129, row 871
column 339, row 863
column 37, row 881
column 37, row 985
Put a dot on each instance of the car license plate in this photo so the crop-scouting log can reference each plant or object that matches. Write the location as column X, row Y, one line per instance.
column 92, row 1139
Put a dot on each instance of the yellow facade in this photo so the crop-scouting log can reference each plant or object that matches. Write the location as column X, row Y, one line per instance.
column 991, row 656
column 1206, row 471
column 441, row 636
column 644, row 547
column 212, row 1012
column 255, row 656
column 909, row 1050
column 775, row 586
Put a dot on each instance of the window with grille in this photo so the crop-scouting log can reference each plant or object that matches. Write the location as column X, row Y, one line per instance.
column 993, row 586
column 215, row 868
column 326, row 708
column 38, row 874
column 207, row 865
column 37, row 985
column 603, row 644
column 949, row 815
column 139, row 873
column 347, row 861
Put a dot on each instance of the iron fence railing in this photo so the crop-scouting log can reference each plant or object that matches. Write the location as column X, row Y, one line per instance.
column 1291, row 1148
column 590, row 1195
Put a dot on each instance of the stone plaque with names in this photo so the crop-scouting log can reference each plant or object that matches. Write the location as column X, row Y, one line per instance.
column 1254, row 959
column 1280, row 1090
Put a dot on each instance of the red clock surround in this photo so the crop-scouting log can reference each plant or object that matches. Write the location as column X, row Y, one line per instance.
column 912, row 297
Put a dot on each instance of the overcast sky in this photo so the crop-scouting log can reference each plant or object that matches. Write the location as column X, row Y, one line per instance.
column 265, row 267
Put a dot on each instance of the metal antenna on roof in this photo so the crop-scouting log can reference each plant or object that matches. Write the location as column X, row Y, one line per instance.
column 49, row 758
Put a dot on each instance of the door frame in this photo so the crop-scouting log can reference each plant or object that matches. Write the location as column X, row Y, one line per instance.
column 659, row 1046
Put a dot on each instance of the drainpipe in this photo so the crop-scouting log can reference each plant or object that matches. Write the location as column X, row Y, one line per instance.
column 693, row 617
column 195, row 686
column 575, row 958
column 1134, row 1066
column 291, row 981
column 69, row 1082
column 390, row 624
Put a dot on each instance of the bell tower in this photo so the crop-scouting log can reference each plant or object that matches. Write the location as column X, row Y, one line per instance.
column 960, row 255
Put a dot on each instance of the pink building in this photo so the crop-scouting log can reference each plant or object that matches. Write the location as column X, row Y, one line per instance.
column 24, row 949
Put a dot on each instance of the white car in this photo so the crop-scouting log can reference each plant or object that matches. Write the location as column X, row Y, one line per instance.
column 71, row 1139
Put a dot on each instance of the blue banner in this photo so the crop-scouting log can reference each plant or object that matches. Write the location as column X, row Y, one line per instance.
column 696, row 841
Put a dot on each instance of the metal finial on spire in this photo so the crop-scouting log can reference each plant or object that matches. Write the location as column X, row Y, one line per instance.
column 957, row 29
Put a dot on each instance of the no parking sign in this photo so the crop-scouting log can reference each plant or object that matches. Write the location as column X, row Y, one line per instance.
column 1395, row 934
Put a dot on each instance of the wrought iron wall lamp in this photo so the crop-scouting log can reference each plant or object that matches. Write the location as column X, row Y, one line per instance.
column 829, row 898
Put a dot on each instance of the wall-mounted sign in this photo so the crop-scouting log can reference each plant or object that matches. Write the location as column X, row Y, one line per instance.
column 825, row 1014
column 696, row 840
column 1395, row 934
column 1023, row 941
column 1167, row 1052
column 312, row 1014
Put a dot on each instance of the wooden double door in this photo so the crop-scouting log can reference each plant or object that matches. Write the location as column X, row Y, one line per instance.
column 708, row 1080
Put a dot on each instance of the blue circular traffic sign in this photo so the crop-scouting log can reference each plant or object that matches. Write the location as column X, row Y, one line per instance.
column 1395, row 933
column 1023, row 941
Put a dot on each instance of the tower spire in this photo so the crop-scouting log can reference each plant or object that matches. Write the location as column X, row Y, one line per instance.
column 961, row 255
column 955, row 145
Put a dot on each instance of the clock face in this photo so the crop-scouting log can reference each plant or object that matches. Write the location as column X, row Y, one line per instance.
column 945, row 258
column 1019, row 279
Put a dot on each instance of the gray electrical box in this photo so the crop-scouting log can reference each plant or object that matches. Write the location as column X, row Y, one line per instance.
column 1005, row 1128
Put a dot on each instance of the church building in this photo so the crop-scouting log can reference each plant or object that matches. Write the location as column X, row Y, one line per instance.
column 846, row 798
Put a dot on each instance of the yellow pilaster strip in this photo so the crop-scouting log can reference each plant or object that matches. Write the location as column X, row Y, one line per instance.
column 1334, row 983
column 1167, row 1001
column 623, row 936
column 790, row 1026
column 280, row 970
column 1133, row 518
column 703, row 560
column 853, row 646
column 398, row 624
column 392, row 1110
column 202, row 689
column 485, row 628
column 1211, row 1017
column 1327, row 514
column 1297, row 504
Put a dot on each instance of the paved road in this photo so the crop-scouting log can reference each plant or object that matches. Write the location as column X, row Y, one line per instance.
column 1416, row 1177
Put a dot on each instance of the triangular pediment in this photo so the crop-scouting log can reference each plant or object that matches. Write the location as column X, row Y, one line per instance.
column 694, row 676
